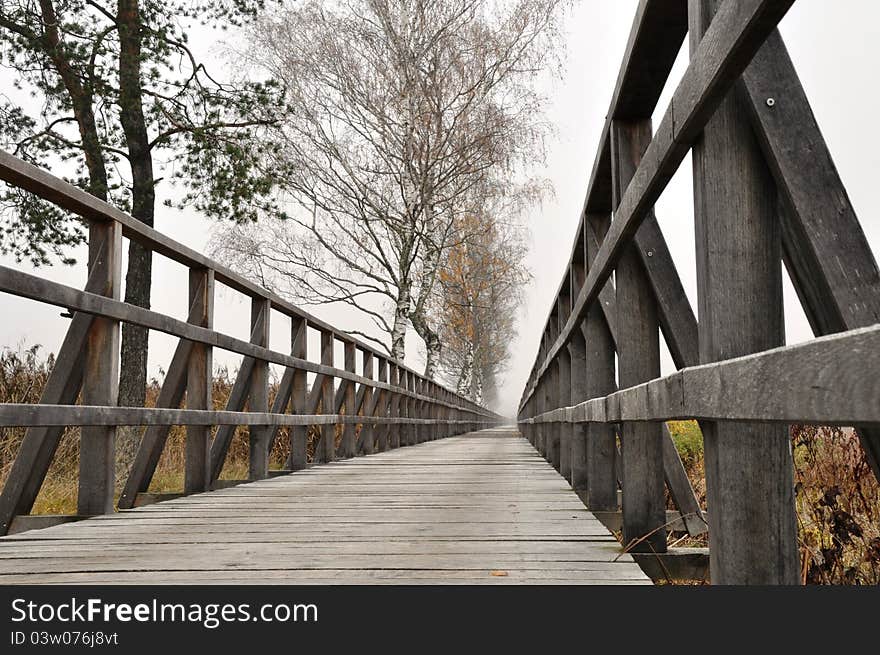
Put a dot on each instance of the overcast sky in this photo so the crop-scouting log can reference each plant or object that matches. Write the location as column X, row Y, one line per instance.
column 834, row 47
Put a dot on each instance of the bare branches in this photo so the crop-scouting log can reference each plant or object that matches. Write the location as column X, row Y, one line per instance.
column 405, row 119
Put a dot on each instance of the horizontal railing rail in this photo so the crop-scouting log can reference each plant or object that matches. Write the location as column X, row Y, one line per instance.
column 595, row 404
column 383, row 405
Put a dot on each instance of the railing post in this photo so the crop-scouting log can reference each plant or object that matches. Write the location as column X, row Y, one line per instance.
column 100, row 386
column 348, row 444
column 258, row 399
column 749, row 470
column 368, row 428
column 326, row 450
column 418, row 409
column 409, row 404
column 644, row 507
column 564, row 400
column 197, row 475
column 438, row 412
column 600, row 381
column 395, row 409
column 578, row 453
column 384, row 407
column 553, row 403
column 299, row 395
column 543, row 406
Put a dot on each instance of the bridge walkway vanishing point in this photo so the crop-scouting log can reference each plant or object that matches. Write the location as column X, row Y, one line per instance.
column 480, row 508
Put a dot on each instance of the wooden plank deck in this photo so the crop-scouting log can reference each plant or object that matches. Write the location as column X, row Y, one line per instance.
column 482, row 508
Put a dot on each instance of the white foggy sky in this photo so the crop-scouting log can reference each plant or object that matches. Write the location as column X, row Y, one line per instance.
column 834, row 48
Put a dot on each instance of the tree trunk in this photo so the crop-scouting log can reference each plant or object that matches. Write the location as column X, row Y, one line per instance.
column 133, row 368
column 401, row 317
column 433, row 346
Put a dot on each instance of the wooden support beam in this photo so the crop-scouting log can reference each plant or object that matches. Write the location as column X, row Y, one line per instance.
column 749, row 470
column 29, row 415
column 259, row 437
column 97, row 453
column 30, row 286
column 601, row 440
column 39, row 444
column 828, row 257
column 153, row 441
column 238, row 396
column 398, row 409
column 197, row 474
column 325, row 451
column 367, row 441
column 404, row 431
column 298, row 435
column 821, row 381
column 348, row 445
column 383, row 407
column 579, row 454
column 638, row 361
column 741, row 26
column 563, row 399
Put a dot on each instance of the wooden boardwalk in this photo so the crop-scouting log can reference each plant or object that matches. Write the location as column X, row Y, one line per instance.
column 481, row 508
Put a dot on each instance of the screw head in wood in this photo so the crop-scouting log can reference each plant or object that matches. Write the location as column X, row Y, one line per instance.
column 771, row 102
column 650, row 253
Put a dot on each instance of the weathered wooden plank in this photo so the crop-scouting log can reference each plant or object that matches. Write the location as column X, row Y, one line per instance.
column 733, row 38
column 153, row 441
column 383, row 407
column 818, row 382
column 749, row 470
column 366, row 443
column 53, row 293
column 259, row 436
column 197, row 473
column 39, row 444
column 235, row 403
column 828, row 257
column 563, row 397
column 27, row 415
column 97, row 453
column 676, row 565
column 298, row 435
column 638, row 359
column 473, row 525
column 79, row 202
column 325, row 449
column 601, row 380
column 348, row 445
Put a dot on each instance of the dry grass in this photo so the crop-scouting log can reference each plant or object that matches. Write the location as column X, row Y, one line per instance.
column 23, row 374
column 837, row 495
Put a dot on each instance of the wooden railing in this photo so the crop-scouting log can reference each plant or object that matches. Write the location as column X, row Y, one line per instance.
column 766, row 191
column 392, row 404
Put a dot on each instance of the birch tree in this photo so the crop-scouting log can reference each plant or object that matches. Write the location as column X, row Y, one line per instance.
column 481, row 282
column 402, row 115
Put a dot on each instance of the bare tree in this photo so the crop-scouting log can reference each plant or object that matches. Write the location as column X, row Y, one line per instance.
column 481, row 282
column 403, row 115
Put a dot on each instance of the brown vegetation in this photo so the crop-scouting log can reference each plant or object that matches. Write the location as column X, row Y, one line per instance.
column 837, row 495
column 23, row 373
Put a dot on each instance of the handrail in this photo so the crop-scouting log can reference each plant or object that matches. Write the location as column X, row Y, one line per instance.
column 595, row 403
column 393, row 405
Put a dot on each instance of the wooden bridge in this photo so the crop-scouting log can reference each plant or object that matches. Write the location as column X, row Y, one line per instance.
column 466, row 501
